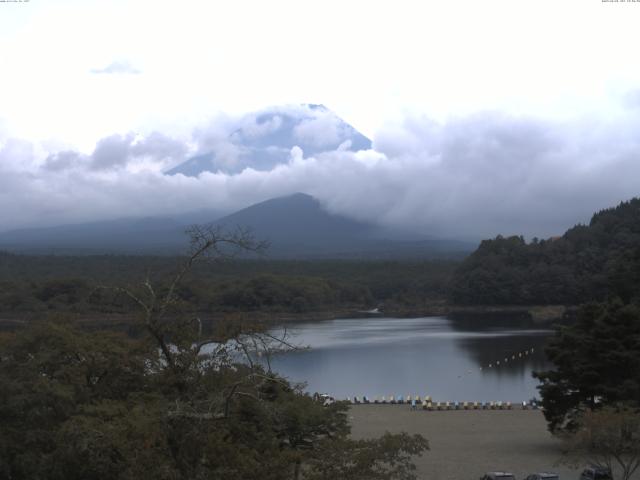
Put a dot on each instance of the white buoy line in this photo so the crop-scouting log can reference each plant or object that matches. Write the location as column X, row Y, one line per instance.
column 514, row 357
column 426, row 403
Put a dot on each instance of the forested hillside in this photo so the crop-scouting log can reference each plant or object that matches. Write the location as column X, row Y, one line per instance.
column 589, row 262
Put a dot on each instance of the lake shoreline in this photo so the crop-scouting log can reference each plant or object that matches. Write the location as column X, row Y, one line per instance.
column 541, row 314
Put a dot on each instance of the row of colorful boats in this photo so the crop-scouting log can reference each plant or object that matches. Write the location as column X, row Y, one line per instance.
column 426, row 403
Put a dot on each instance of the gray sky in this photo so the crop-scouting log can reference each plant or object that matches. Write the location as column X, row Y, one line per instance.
column 487, row 117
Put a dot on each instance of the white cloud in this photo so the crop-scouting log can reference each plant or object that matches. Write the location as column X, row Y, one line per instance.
column 478, row 175
column 558, row 145
column 118, row 67
column 439, row 58
column 320, row 131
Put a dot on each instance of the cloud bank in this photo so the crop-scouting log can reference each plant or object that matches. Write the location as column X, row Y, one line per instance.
column 473, row 177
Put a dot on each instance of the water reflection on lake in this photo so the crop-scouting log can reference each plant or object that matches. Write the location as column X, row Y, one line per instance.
column 425, row 356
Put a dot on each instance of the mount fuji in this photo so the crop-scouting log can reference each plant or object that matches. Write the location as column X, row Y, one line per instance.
column 265, row 139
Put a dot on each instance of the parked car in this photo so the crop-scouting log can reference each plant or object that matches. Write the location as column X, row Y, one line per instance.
column 498, row 476
column 543, row 476
column 325, row 398
column 596, row 473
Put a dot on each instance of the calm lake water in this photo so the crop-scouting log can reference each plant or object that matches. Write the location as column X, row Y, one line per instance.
column 417, row 356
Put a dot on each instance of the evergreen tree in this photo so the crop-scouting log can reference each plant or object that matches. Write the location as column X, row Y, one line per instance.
column 597, row 362
column 587, row 263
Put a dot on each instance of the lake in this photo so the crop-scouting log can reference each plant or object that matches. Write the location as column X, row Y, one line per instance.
column 450, row 360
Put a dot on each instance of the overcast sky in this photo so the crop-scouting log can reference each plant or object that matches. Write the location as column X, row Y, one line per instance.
column 487, row 116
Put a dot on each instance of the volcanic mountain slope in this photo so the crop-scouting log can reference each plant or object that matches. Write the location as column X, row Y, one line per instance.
column 296, row 226
column 265, row 139
column 141, row 235
column 298, row 221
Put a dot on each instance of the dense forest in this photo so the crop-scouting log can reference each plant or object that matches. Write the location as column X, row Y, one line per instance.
column 589, row 262
column 75, row 284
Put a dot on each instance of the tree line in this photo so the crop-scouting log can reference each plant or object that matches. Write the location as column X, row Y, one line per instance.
column 70, row 284
column 587, row 263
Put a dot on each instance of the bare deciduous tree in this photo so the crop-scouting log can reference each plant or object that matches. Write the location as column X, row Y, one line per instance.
column 206, row 242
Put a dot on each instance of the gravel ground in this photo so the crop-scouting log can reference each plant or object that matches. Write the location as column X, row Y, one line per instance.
column 467, row 443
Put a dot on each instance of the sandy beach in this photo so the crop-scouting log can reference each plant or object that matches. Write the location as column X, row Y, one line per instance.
column 467, row 443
